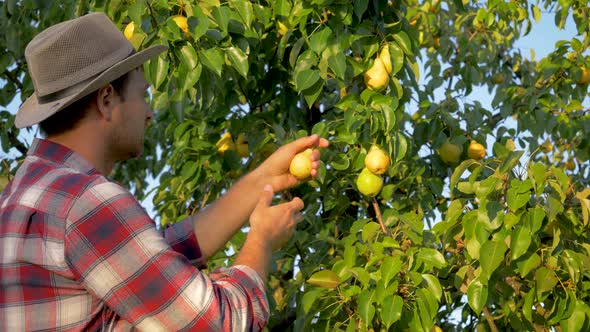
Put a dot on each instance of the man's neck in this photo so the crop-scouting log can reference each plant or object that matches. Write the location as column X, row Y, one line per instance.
column 84, row 142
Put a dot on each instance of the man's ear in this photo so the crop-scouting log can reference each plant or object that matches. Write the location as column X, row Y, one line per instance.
column 105, row 101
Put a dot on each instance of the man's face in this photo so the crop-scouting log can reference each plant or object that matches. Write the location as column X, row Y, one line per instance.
column 131, row 116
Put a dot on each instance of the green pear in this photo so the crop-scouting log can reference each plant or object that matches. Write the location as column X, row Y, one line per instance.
column 368, row 183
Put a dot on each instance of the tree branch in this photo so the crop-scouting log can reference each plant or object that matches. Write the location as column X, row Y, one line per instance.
column 379, row 217
column 490, row 320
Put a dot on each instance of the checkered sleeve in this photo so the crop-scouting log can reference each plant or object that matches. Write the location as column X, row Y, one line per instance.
column 115, row 251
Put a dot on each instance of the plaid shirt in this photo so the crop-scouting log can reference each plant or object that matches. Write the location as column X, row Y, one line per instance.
column 78, row 252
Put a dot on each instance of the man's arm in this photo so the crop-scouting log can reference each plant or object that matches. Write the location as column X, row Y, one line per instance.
column 114, row 250
column 218, row 222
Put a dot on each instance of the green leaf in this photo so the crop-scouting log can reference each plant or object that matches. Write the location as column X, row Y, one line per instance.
column 459, row 170
column 545, row 280
column 390, row 267
column 391, row 309
column 360, row 6
column 319, row 40
column 433, row 285
column 432, row 257
column 404, row 42
column 244, row 10
column 370, row 230
column 397, row 56
column 213, row 59
column 311, row 94
column 282, row 8
column 477, row 295
column 536, row 14
column 189, row 56
column 324, row 279
column 533, row 219
column 198, row 22
column 239, row 60
column 337, row 62
column 401, row 147
column 520, row 240
column 366, row 309
column 309, row 298
column 516, row 200
column 576, row 321
column 493, row 256
column 306, row 78
column 527, row 265
column 159, row 71
column 340, row 162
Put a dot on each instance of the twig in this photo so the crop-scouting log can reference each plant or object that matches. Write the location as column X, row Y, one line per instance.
column 490, row 320
column 379, row 217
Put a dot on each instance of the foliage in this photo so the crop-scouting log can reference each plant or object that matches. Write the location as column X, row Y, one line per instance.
column 496, row 244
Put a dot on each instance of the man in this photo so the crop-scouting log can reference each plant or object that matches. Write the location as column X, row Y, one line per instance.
column 77, row 251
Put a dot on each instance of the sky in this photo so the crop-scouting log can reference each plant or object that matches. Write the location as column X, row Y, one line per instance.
column 541, row 39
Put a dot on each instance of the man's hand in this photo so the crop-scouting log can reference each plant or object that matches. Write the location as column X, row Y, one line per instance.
column 275, row 169
column 273, row 226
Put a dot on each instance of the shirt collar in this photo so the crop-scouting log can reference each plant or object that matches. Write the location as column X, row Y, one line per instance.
column 60, row 154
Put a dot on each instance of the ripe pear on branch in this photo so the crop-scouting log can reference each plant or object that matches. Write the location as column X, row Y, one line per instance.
column 225, row 143
column 386, row 58
column 377, row 77
column 377, row 161
column 476, row 150
column 449, row 153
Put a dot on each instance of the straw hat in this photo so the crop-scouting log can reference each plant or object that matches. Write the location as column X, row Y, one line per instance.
column 74, row 58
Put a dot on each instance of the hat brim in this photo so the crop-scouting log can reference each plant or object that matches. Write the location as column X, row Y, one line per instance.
column 32, row 112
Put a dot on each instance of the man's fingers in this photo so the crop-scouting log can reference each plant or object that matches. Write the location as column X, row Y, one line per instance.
column 298, row 217
column 266, row 196
column 296, row 204
column 308, row 142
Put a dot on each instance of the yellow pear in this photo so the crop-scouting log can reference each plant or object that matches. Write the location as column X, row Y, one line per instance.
column 585, row 77
column 449, row 153
column 476, row 151
column 368, row 183
column 129, row 30
column 283, row 29
column 300, row 166
column 510, row 144
column 182, row 22
column 242, row 145
column 225, row 143
column 497, row 78
column 386, row 58
column 546, row 147
column 377, row 161
column 376, row 78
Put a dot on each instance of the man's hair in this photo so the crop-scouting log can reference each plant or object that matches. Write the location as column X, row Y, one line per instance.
column 69, row 117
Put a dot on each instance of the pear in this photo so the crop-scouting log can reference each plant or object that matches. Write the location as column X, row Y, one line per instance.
column 225, row 143
column 129, row 30
column 449, row 153
column 376, row 78
column 368, row 183
column 476, row 151
column 377, row 161
column 242, row 146
column 386, row 58
column 584, row 77
column 182, row 22
column 300, row 166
